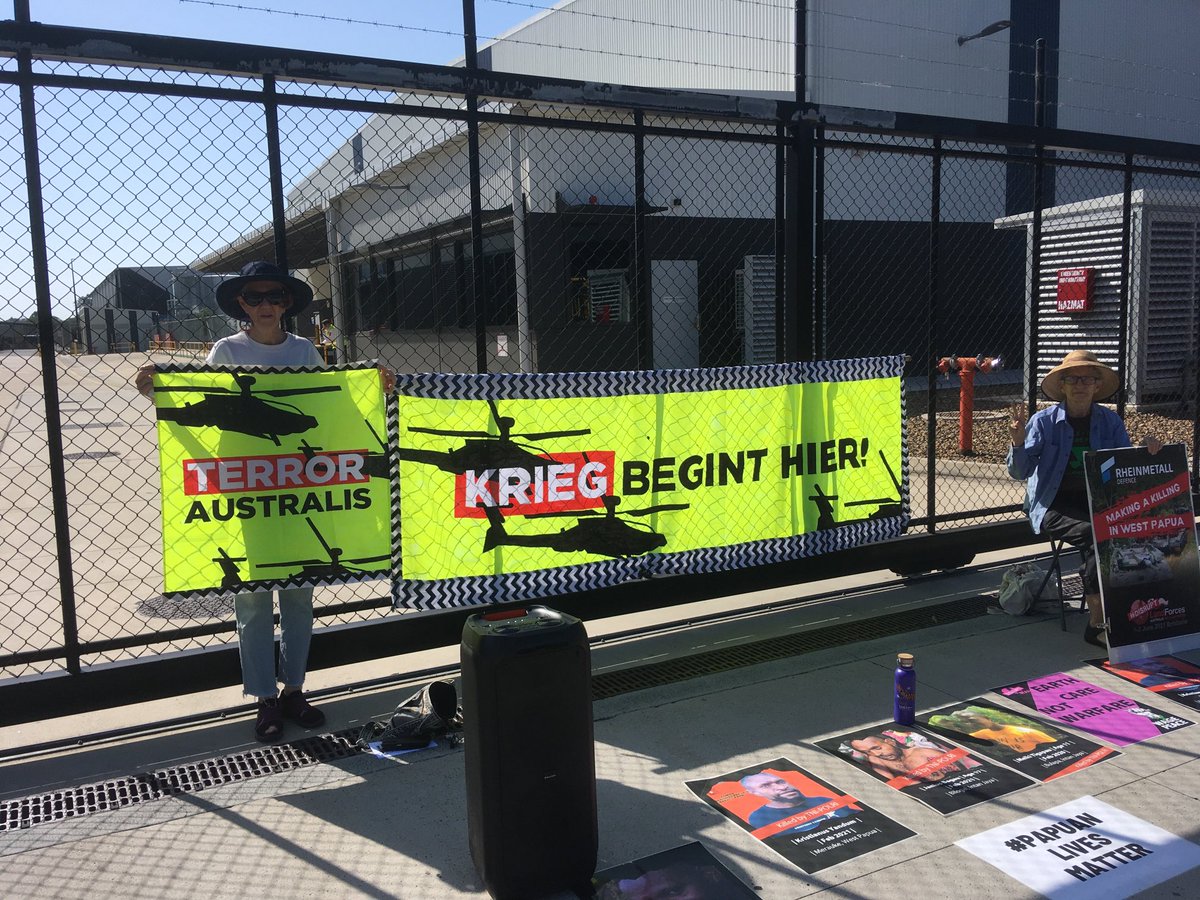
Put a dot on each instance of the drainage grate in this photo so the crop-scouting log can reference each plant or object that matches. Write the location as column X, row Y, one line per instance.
column 189, row 778
column 609, row 684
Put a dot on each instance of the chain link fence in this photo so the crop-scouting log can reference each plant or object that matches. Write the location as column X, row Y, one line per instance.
column 445, row 232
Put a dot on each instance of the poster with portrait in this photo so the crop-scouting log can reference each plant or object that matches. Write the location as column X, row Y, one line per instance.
column 1092, row 709
column 925, row 766
column 807, row 821
column 1167, row 676
column 1032, row 746
column 1145, row 534
column 688, row 871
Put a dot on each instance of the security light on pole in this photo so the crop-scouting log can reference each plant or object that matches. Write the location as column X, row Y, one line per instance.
column 985, row 31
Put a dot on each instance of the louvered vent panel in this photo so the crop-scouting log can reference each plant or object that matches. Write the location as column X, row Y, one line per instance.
column 1092, row 244
column 1170, row 298
column 758, row 309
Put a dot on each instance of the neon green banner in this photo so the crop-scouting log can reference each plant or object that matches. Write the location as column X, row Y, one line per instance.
column 522, row 485
column 272, row 478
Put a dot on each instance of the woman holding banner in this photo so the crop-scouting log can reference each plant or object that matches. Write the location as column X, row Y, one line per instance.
column 1047, row 453
column 260, row 296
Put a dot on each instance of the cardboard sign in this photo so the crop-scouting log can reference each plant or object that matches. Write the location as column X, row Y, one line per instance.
column 687, row 871
column 1167, row 676
column 1093, row 709
column 1031, row 746
column 924, row 766
column 1085, row 848
column 807, row 821
column 1145, row 538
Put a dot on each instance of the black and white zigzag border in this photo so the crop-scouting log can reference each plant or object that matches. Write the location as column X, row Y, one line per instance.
column 553, row 385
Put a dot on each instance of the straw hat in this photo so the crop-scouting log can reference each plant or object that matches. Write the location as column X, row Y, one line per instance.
column 1073, row 363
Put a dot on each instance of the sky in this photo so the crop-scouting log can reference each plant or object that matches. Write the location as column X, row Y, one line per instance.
column 427, row 31
column 136, row 180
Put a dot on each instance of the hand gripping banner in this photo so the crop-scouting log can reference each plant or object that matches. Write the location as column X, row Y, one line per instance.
column 273, row 478
column 518, row 486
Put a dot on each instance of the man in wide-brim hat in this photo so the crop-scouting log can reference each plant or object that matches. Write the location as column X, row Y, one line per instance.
column 1047, row 453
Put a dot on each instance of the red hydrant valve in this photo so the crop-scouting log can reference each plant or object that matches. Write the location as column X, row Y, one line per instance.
column 966, row 367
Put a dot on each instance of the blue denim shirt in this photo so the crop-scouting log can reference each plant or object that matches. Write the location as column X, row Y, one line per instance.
column 1043, row 457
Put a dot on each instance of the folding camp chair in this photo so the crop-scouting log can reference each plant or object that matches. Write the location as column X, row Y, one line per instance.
column 1057, row 548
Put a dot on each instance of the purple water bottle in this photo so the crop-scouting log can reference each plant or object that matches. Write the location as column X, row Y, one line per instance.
column 906, row 689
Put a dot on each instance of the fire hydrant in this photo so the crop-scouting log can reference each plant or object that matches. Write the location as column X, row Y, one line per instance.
column 966, row 367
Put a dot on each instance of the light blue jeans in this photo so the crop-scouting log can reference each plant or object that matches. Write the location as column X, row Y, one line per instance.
column 256, row 639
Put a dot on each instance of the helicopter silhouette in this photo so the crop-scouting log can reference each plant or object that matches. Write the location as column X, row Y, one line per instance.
column 484, row 450
column 321, row 568
column 375, row 465
column 887, row 505
column 607, row 535
column 240, row 409
column 231, row 576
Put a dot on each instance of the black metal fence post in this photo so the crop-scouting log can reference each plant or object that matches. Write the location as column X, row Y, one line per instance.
column 1035, row 242
column 645, row 317
column 781, row 240
column 478, row 280
column 1124, row 302
column 41, row 284
column 931, row 345
column 275, row 171
column 818, row 254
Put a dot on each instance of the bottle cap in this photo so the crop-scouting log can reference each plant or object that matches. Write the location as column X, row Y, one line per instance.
column 904, row 660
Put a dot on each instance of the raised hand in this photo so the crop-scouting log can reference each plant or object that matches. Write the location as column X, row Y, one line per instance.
column 1016, row 428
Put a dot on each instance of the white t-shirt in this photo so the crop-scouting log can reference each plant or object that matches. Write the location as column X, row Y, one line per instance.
column 242, row 350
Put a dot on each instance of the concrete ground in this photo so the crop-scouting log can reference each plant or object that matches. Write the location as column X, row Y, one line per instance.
column 371, row 827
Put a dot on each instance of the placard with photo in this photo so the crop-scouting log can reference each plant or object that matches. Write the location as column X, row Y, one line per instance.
column 807, row 821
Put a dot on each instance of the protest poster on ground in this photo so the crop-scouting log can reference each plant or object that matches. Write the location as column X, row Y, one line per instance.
column 515, row 487
column 272, row 478
column 1031, row 746
column 1167, row 676
column 1092, row 709
column 1085, row 848
column 940, row 774
column 689, row 871
column 807, row 821
column 1145, row 534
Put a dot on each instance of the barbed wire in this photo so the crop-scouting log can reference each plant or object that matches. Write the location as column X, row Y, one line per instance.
column 567, row 10
column 782, row 73
column 509, row 39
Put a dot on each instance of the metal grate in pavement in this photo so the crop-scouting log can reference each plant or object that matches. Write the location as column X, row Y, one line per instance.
column 711, row 662
column 120, row 793
column 188, row 778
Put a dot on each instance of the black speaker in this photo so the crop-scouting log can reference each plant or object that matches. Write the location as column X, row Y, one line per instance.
column 531, row 768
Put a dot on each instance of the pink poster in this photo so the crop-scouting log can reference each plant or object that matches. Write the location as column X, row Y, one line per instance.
column 1090, row 708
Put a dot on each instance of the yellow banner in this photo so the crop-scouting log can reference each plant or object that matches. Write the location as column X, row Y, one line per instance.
column 520, row 485
column 272, row 479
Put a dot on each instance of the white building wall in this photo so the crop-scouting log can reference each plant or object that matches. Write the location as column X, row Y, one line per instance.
column 707, row 45
column 432, row 188
column 1129, row 67
column 903, row 56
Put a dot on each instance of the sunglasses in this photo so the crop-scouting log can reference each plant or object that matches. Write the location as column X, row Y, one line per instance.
column 257, row 298
column 1081, row 379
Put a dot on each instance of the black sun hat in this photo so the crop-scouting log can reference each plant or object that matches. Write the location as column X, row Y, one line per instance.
column 261, row 270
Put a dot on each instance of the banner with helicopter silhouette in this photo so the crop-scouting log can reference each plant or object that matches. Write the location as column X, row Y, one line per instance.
column 273, row 478
column 517, row 486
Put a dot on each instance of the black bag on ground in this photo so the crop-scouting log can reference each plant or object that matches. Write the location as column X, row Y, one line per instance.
column 431, row 713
